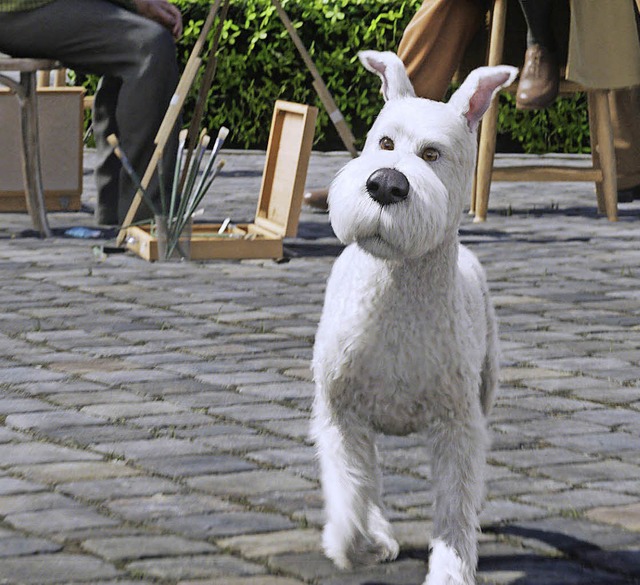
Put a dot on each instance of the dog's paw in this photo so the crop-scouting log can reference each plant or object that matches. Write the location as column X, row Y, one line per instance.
column 336, row 547
column 446, row 567
column 360, row 550
column 382, row 536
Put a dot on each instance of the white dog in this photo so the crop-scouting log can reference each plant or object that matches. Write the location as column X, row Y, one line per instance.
column 407, row 340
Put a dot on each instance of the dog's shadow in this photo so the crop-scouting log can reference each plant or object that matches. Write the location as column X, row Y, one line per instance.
column 574, row 561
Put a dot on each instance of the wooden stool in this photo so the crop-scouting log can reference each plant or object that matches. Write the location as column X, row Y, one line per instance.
column 25, row 91
column 602, row 171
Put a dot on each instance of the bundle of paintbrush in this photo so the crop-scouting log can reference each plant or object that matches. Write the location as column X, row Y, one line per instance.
column 188, row 188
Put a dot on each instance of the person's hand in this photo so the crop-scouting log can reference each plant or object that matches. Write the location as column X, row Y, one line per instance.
column 162, row 12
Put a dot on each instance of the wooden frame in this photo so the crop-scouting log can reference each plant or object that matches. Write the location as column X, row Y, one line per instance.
column 279, row 203
column 60, row 120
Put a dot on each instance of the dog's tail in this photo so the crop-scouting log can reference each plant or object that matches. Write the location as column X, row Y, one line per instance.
column 491, row 365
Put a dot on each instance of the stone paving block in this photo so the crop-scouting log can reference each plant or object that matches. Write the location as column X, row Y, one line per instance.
column 596, row 471
column 258, row 412
column 59, row 520
column 225, row 524
column 600, row 443
column 250, row 483
column 79, row 399
column 50, row 569
column 575, row 500
column 34, row 501
column 144, row 546
column 153, row 447
column 499, row 511
column 11, row 405
column 37, row 452
column 144, row 509
column 296, row 428
column 131, row 409
column 127, row 376
column 171, row 421
column 63, row 386
column 18, row 546
column 189, row 567
column 52, row 420
column 29, row 374
column 627, row 515
column 242, row 378
column 57, row 473
column 255, row 546
column 254, row 580
column 88, row 435
column 14, row 485
column 536, row 458
column 119, row 487
column 192, row 465
column 278, row 391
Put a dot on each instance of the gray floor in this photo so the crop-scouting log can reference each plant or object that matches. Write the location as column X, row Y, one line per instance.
column 153, row 416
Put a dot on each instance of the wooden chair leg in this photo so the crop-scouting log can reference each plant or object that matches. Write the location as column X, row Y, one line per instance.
column 31, row 153
column 599, row 106
column 487, row 131
column 486, row 154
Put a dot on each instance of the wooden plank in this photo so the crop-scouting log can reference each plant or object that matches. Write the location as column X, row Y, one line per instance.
column 204, row 246
column 19, row 64
column 60, row 120
column 286, row 165
column 546, row 173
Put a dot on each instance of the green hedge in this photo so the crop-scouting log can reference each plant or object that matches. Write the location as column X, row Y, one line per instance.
column 259, row 64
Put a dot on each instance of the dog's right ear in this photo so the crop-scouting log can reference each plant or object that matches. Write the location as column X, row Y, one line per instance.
column 390, row 69
column 473, row 97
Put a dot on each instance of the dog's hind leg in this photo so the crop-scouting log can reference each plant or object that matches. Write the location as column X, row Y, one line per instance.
column 458, row 460
column 379, row 528
column 350, row 483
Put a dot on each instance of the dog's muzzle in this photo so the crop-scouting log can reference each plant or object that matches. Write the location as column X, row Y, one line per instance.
column 387, row 186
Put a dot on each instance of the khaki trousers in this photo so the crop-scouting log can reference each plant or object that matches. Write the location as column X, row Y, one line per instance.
column 433, row 46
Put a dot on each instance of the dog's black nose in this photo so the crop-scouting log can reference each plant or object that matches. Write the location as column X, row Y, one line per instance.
column 387, row 186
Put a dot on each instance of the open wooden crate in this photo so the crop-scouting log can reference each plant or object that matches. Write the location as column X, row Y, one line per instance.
column 279, row 203
column 60, row 121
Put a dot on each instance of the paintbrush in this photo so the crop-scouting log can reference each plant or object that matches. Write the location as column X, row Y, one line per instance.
column 176, row 174
column 217, row 145
column 112, row 139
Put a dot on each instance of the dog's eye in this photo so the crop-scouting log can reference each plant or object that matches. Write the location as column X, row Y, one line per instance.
column 386, row 143
column 430, row 154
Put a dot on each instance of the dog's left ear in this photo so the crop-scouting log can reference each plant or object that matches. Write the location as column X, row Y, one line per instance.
column 474, row 96
column 390, row 69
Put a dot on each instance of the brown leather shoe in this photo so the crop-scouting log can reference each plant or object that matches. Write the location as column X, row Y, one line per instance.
column 539, row 79
column 317, row 199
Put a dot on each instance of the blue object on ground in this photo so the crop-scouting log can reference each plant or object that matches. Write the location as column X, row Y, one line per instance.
column 83, row 232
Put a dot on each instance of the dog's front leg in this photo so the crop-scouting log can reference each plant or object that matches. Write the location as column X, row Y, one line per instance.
column 355, row 532
column 458, row 461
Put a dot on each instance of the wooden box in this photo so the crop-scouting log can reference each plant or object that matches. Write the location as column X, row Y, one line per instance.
column 60, row 121
column 279, row 203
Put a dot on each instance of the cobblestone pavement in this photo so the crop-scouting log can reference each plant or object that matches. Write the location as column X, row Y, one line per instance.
column 153, row 417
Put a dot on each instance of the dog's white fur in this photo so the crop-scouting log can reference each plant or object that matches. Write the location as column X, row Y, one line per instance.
column 407, row 339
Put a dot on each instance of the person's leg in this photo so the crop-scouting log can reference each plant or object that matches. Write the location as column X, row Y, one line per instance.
column 539, row 79
column 137, row 58
column 434, row 41
column 537, row 13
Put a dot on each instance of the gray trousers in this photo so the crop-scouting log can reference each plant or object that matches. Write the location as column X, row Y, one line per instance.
column 136, row 58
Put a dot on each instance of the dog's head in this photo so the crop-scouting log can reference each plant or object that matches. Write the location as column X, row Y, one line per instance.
column 408, row 188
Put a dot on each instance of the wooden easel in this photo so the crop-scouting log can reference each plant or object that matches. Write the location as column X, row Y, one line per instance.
column 186, row 82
